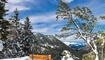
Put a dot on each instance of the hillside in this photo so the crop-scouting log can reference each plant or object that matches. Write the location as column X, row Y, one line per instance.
column 50, row 45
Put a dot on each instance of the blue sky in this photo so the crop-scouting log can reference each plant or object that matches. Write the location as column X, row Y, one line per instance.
column 42, row 12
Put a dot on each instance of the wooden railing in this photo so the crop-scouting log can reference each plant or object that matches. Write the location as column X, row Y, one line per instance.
column 40, row 57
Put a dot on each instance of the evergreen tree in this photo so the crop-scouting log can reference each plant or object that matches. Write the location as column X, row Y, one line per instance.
column 3, row 22
column 29, row 40
column 27, row 36
column 27, row 25
column 17, row 35
column 16, row 24
column 14, row 38
column 2, row 9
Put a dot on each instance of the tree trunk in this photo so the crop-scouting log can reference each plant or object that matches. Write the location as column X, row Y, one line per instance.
column 97, row 57
column 102, row 56
column 96, row 52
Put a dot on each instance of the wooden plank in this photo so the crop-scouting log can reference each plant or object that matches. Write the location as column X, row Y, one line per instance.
column 41, row 57
column 38, row 55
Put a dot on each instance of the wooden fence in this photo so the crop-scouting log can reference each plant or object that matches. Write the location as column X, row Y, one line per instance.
column 40, row 57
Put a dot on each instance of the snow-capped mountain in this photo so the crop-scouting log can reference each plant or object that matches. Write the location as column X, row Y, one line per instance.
column 50, row 45
column 74, row 44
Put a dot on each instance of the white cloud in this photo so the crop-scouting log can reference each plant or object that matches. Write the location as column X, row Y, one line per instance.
column 46, row 18
column 19, row 4
column 18, row 1
column 43, row 18
column 68, row 1
column 14, row 1
column 20, row 8
column 41, row 30
column 101, row 22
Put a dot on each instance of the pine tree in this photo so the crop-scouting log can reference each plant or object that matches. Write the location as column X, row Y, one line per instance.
column 3, row 22
column 2, row 9
column 17, row 35
column 27, row 35
column 14, row 37
column 27, row 26
column 16, row 24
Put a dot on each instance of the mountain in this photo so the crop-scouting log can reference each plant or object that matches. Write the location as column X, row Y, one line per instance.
column 49, row 45
column 74, row 45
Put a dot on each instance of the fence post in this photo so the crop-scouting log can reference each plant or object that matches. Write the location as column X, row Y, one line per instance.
column 49, row 57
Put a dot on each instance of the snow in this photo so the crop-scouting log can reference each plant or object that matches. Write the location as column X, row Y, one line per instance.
column 51, row 37
column 43, row 49
column 67, row 43
column 41, row 37
column 74, row 43
column 1, row 45
column 67, row 59
column 71, row 43
column 48, row 45
column 67, row 55
column 51, row 46
column 22, row 58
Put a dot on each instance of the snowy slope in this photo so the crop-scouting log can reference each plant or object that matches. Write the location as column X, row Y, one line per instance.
column 22, row 58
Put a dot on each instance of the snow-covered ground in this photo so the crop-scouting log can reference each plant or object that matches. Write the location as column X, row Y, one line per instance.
column 67, row 56
column 1, row 45
column 22, row 58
